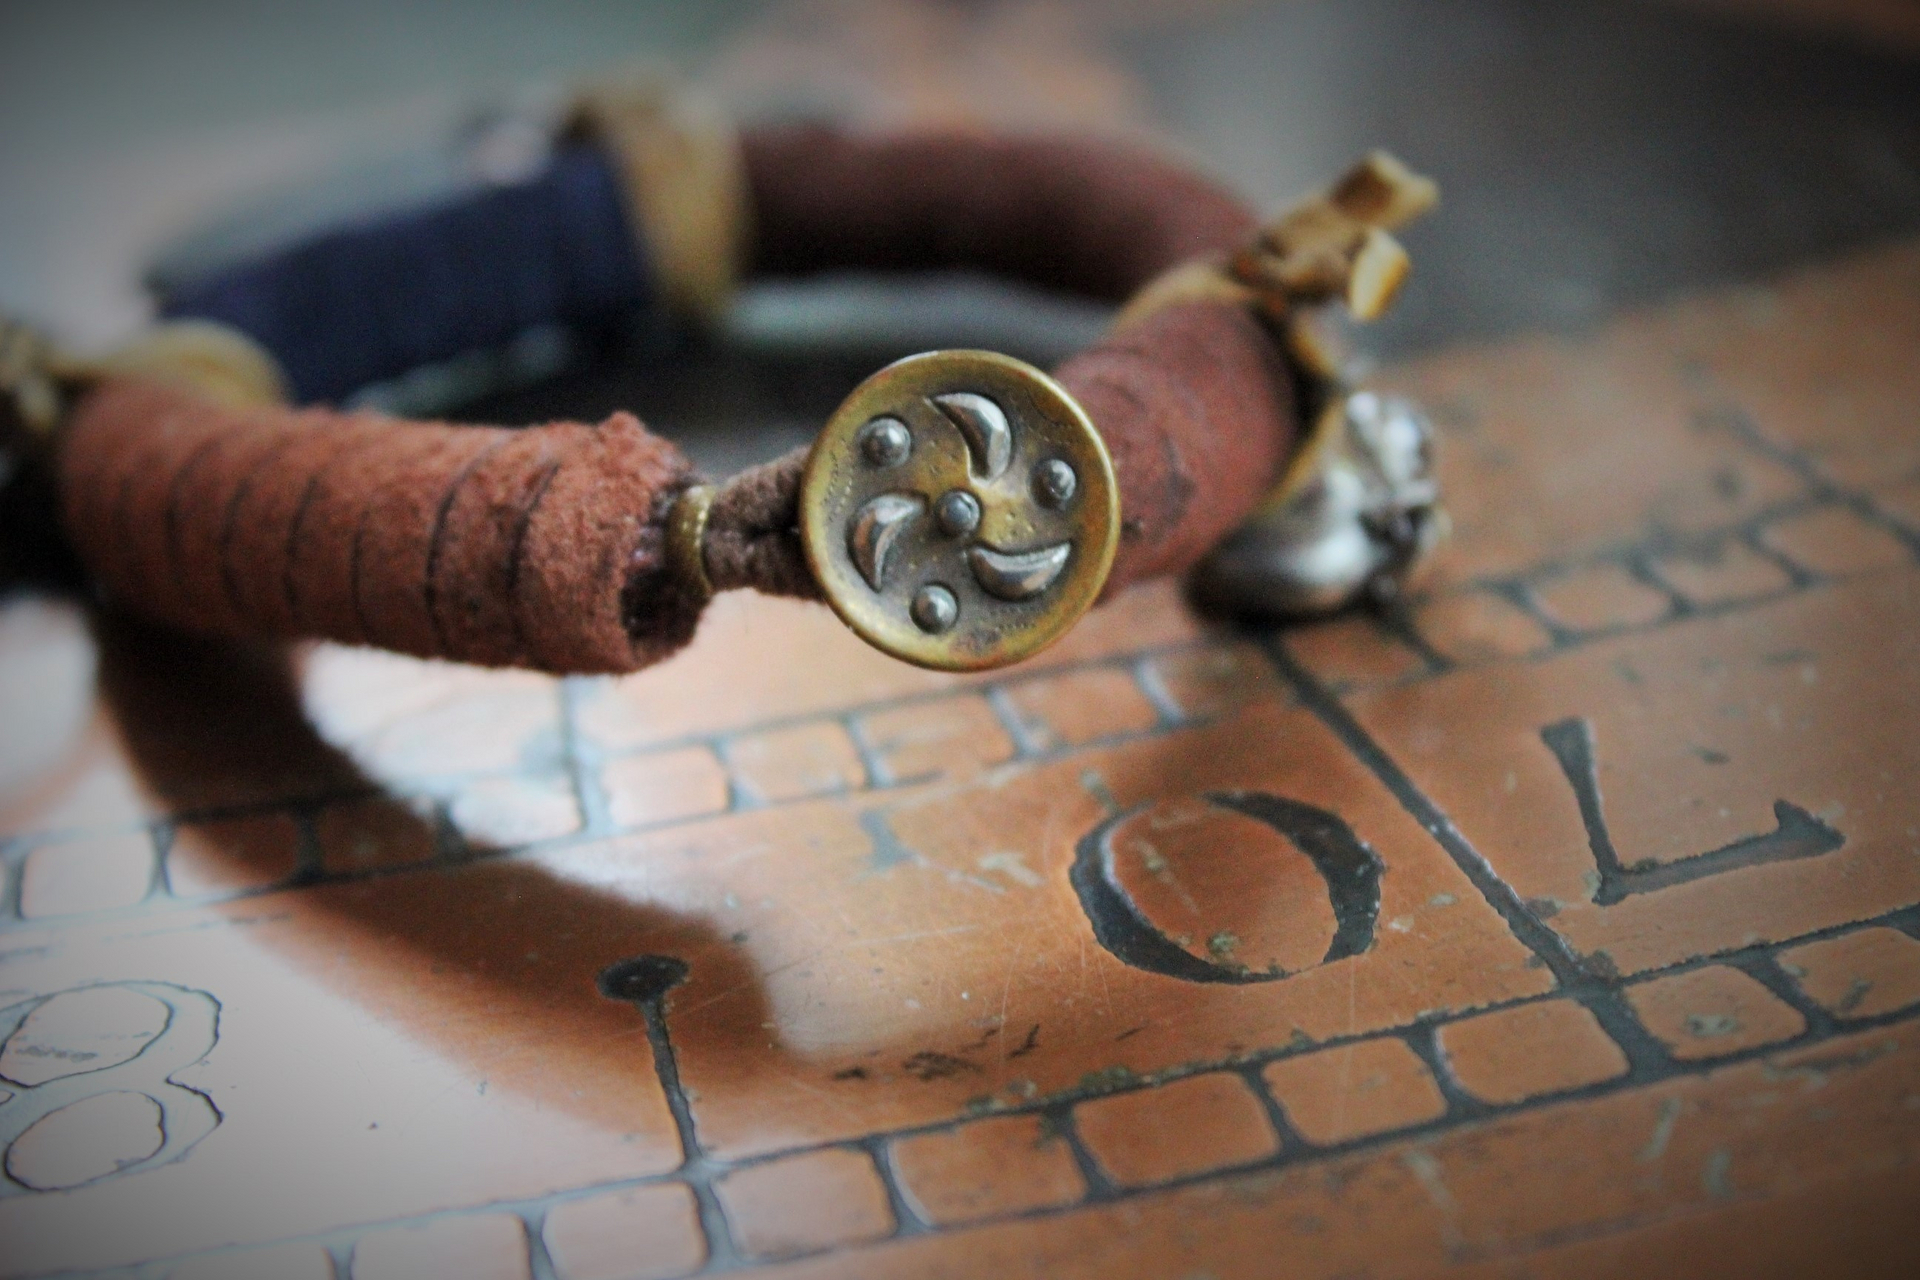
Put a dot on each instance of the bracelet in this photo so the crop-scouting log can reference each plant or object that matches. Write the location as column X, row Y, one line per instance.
column 960, row 510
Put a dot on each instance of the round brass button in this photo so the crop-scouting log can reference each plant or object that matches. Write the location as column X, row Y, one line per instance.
column 960, row 510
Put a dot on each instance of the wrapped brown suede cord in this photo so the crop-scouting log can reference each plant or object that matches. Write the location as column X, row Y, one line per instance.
column 545, row 546
column 485, row 544
column 1086, row 217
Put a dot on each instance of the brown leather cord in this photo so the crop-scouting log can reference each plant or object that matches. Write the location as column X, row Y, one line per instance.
column 1082, row 216
column 546, row 547
column 1197, row 410
column 752, row 538
column 478, row 543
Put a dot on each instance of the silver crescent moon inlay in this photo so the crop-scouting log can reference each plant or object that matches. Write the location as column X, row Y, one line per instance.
column 984, row 424
column 876, row 528
column 1017, row 575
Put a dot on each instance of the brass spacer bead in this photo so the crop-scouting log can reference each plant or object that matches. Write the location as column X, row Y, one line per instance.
column 687, row 540
column 216, row 360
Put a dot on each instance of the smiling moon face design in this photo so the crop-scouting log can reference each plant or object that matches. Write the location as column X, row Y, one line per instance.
column 960, row 510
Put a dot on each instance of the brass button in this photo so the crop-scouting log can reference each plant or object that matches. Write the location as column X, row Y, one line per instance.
column 960, row 510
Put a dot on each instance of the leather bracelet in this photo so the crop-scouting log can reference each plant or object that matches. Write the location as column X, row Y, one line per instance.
column 960, row 510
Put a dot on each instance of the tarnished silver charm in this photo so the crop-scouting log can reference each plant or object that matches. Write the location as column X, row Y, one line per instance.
column 1355, row 516
column 960, row 510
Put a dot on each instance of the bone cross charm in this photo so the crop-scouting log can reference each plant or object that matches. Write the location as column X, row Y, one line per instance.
column 960, row 510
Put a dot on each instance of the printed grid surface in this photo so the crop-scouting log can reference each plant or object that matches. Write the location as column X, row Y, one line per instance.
column 726, row 943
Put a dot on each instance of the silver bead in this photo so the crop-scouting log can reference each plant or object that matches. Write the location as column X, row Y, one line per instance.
column 886, row 442
column 1358, row 525
column 1054, row 483
column 958, row 513
column 934, row 609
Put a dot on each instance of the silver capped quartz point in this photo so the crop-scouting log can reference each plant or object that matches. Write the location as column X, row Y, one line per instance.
column 1354, row 518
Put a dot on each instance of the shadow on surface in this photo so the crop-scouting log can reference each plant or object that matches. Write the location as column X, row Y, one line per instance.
column 194, row 711
column 1595, row 155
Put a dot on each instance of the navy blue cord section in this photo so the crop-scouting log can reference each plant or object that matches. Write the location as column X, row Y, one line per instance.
column 371, row 301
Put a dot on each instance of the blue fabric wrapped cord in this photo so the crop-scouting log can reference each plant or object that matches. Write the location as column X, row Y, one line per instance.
column 372, row 301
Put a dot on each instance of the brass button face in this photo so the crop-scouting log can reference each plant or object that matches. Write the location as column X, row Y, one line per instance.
column 960, row 510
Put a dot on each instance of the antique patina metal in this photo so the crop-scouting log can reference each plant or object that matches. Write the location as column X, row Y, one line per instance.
column 960, row 510
column 1357, row 512
column 1356, row 516
column 686, row 532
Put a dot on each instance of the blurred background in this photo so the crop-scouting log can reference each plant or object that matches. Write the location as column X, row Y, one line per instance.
column 1595, row 154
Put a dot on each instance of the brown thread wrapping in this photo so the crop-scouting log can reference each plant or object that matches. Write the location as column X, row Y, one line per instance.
column 599, row 531
column 318, row 565
column 140, row 505
column 199, row 502
column 395, row 530
column 480, row 544
column 546, row 547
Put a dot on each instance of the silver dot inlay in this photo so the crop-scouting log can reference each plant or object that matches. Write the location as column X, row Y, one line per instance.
column 958, row 513
column 886, row 442
column 1054, row 483
column 934, row 609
